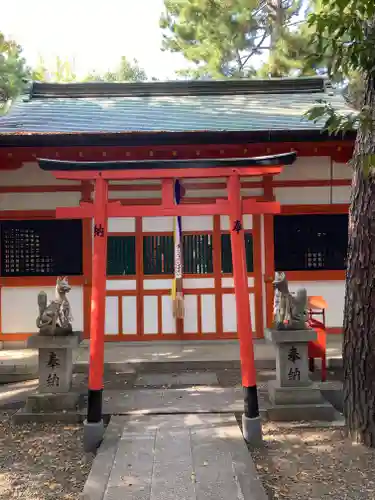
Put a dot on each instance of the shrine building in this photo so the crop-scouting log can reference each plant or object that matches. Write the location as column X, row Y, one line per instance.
column 159, row 121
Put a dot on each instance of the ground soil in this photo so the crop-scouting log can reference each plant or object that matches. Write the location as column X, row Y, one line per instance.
column 41, row 461
column 314, row 464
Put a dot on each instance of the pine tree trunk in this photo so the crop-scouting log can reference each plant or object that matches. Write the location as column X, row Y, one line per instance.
column 359, row 312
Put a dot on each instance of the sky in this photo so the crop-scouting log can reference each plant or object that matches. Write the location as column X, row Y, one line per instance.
column 92, row 34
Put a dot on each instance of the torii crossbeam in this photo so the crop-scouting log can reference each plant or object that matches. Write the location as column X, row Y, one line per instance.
column 100, row 173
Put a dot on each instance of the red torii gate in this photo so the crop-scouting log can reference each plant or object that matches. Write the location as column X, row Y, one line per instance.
column 101, row 209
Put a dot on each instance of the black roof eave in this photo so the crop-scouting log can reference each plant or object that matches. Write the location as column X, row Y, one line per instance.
column 258, row 161
column 105, row 139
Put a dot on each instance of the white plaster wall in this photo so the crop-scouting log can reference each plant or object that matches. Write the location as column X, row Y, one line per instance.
column 200, row 223
column 111, row 316
column 31, row 175
column 341, row 171
column 208, row 313
column 191, row 314
column 303, row 196
column 341, row 194
column 121, row 284
column 333, row 293
column 191, row 283
column 225, row 222
column 168, row 320
column 157, row 284
column 129, row 315
column 205, row 193
column 38, row 201
column 314, row 167
column 19, row 308
column 230, row 313
column 134, row 195
column 157, row 224
column 144, row 182
column 150, row 317
column 229, row 282
column 121, row 225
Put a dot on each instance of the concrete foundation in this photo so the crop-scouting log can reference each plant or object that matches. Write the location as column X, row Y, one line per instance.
column 92, row 435
column 252, row 431
column 48, row 403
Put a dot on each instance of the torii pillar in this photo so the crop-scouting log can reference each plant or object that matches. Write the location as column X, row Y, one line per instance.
column 251, row 423
column 94, row 425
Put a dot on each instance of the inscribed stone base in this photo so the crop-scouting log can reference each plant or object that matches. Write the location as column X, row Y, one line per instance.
column 55, row 370
column 52, row 402
column 292, row 367
column 294, row 395
column 55, row 361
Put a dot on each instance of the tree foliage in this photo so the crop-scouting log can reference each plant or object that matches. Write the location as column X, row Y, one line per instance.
column 345, row 29
column 222, row 37
column 127, row 71
column 13, row 69
column 62, row 71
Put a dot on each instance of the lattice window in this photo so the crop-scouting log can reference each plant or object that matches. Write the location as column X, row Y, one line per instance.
column 197, row 254
column 310, row 242
column 41, row 247
column 158, row 254
column 121, row 256
column 226, row 253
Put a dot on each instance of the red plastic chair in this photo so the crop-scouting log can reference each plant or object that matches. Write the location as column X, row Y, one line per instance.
column 317, row 349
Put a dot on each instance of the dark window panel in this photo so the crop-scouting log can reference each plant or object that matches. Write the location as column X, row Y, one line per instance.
column 197, row 254
column 158, row 254
column 226, row 253
column 311, row 242
column 41, row 248
column 121, row 256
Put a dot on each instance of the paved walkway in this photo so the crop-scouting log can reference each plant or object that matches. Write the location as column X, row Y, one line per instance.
column 21, row 364
column 184, row 457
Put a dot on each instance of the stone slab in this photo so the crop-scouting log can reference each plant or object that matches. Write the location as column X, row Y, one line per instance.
column 24, row 417
column 285, row 413
column 177, row 379
column 50, row 402
column 294, row 395
column 42, row 341
column 184, row 400
column 97, row 481
column 164, row 458
column 18, row 365
column 286, row 336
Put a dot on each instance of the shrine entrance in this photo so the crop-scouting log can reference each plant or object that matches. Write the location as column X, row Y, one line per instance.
column 170, row 172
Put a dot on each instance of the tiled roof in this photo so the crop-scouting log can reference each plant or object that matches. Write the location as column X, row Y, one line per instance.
column 214, row 106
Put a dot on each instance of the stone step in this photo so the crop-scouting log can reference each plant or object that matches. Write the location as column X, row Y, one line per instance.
column 168, row 458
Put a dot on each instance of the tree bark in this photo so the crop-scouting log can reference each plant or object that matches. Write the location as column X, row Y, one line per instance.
column 359, row 312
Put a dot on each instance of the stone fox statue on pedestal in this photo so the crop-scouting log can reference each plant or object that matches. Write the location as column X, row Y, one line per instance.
column 55, row 318
column 289, row 311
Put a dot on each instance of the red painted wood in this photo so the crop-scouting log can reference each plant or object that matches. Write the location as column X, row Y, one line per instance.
column 99, row 270
column 241, row 286
column 171, row 173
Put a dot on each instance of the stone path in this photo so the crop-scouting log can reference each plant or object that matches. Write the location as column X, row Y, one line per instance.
column 202, row 399
column 184, row 457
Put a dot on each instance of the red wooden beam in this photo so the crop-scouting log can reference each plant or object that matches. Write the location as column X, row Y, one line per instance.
column 192, row 173
column 116, row 209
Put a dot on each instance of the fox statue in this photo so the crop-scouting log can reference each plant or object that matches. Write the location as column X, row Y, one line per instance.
column 289, row 311
column 55, row 318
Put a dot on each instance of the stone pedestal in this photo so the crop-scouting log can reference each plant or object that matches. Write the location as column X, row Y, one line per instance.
column 55, row 369
column 293, row 396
